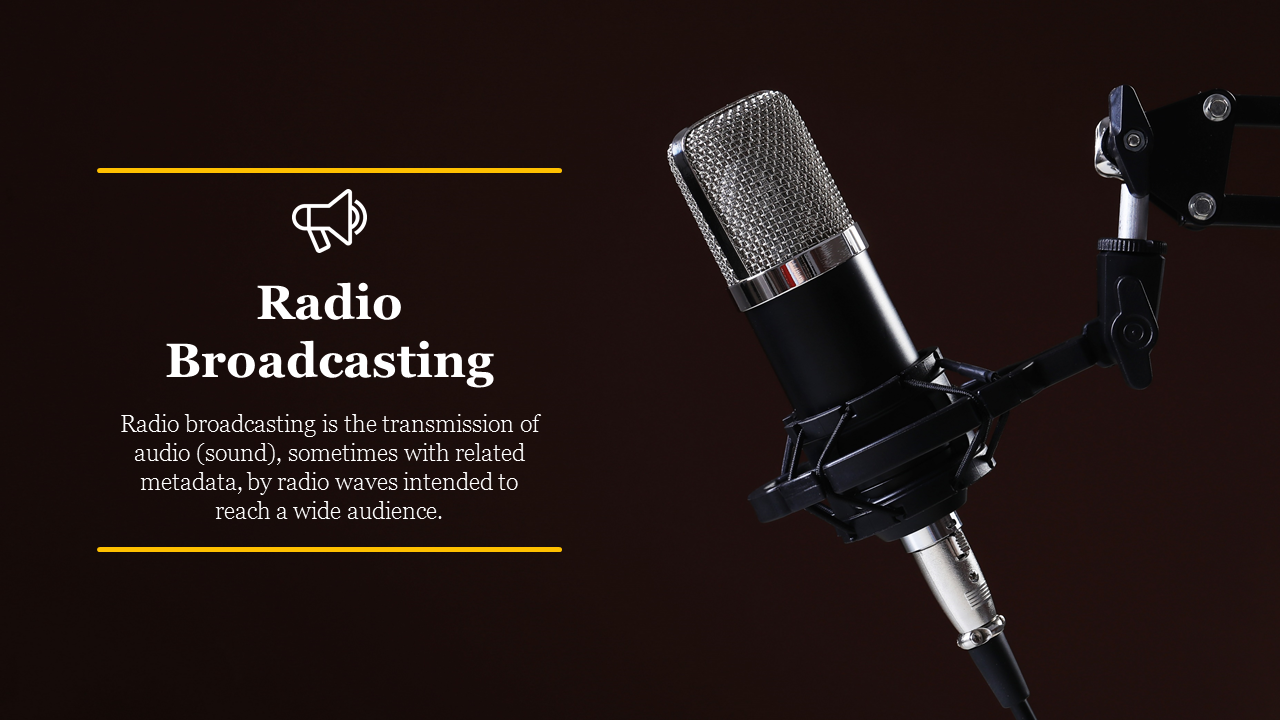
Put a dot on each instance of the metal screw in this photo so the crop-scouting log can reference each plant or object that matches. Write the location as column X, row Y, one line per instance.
column 973, row 576
column 1202, row 206
column 1217, row 108
column 1134, row 141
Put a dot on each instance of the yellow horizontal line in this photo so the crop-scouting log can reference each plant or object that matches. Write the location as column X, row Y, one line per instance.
column 205, row 171
column 329, row 549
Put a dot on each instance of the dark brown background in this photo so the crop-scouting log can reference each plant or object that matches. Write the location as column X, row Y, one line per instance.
column 1127, row 534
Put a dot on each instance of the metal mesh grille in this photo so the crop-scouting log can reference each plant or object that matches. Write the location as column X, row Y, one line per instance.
column 725, row 268
column 765, row 180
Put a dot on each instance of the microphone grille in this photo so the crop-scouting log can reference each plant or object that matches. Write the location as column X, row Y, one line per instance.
column 764, row 179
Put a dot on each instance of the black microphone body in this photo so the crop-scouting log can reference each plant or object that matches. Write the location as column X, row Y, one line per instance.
column 833, row 339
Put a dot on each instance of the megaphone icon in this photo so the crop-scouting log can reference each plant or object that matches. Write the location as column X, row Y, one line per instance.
column 322, row 218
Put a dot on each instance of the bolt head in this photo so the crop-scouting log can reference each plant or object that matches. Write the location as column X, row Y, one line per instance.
column 1217, row 107
column 1135, row 334
column 1134, row 141
column 1202, row 206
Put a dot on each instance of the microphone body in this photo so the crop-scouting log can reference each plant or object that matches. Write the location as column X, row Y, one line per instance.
column 834, row 338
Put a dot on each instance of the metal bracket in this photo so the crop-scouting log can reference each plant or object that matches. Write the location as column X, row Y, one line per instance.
column 1129, row 140
column 1183, row 162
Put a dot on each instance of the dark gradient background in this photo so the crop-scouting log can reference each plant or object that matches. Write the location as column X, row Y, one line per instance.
column 1127, row 534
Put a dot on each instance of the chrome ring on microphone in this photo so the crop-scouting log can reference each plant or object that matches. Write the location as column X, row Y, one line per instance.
column 800, row 269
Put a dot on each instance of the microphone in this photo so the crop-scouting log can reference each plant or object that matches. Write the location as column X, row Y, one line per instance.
column 885, row 452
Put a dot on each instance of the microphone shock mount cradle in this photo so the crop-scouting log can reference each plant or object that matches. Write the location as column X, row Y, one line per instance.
column 865, row 475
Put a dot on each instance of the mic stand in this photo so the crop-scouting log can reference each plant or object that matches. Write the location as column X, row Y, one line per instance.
column 907, row 485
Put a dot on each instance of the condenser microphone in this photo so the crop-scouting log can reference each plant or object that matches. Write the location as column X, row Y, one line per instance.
column 869, row 448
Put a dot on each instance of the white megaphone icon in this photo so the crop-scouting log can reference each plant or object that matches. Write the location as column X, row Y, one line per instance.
column 349, row 216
